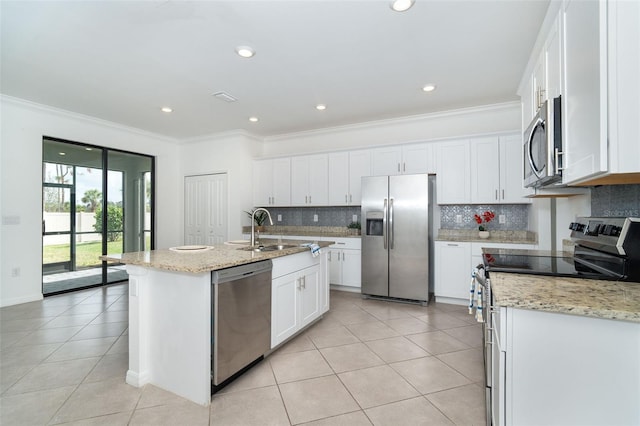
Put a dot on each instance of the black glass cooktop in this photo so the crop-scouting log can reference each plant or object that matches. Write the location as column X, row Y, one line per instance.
column 559, row 264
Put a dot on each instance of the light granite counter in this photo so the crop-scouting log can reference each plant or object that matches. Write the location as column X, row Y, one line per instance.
column 593, row 298
column 471, row 235
column 219, row 257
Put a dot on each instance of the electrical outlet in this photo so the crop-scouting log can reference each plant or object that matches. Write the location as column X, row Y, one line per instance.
column 279, row 218
column 502, row 218
column 458, row 218
column 315, row 217
column 354, row 218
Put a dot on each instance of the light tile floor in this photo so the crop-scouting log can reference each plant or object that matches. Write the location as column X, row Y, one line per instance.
column 63, row 361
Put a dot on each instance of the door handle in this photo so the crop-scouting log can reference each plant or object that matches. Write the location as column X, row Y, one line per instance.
column 384, row 224
column 391, row 235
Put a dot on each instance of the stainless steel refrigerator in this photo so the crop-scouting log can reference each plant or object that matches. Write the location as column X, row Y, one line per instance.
column 395, row 238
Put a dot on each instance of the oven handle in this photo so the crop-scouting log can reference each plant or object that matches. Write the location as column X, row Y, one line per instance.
column 598, row 268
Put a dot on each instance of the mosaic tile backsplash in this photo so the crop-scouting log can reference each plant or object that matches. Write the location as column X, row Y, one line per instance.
column 615, row 200
column 303, row 216
column 516, row 216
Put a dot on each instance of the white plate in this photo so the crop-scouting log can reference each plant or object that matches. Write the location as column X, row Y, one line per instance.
column 237, row 242
column 190, row 249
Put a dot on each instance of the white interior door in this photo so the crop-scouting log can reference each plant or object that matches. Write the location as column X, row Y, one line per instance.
column 206, row 209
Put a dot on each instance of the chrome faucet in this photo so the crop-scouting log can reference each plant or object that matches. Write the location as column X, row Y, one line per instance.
column 253, row 223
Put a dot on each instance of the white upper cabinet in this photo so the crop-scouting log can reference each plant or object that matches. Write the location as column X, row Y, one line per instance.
column 454, row 163
column 419, row 158
column 405, row 159
column 346, row 170
column 309, row 180
column 496, row 170
column 387, row 161
column 590, row 55
column 272, row 182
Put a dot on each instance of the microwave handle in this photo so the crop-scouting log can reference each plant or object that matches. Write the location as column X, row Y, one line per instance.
column 557, row 155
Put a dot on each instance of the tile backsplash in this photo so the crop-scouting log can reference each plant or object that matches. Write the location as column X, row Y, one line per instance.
column 615, row 200
column 516, row 216
column 303, row 216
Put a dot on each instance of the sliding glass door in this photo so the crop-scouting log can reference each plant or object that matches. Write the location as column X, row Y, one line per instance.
column 95, row 201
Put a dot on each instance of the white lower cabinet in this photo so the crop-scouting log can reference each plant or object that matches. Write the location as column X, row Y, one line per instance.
column 559, row 369
column 299, row 294
column 345, row 262
column 454, row 262
column 452, row 272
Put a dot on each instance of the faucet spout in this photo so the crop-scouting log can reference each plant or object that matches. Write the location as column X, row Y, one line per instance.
column 253, row 228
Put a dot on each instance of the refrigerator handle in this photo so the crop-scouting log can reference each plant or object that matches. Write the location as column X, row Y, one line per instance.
column 391, row 236
column 384, row 223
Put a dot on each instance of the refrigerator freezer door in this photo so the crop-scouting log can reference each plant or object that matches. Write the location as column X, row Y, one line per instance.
column 409, row 237
column 375, row 260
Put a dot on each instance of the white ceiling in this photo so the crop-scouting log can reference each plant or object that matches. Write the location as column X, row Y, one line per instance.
column 123, row 60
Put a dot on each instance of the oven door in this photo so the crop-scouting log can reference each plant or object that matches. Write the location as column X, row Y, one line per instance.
column 542, row 146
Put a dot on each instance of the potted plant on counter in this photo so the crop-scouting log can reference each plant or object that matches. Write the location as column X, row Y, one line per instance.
column 482, row 219
column 259, row 219
column 354, row 228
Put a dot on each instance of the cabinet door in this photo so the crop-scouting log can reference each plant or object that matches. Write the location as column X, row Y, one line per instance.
column 539, row 85
column 485, row 170
column 299, row 181
column 359, row 166
column 453, row 184
column 418, row 158
column 386, row 161
column 262, row 182
column 585, row 98
column 284, row 307
column 317, row 175
column 511, row 189
column 335, row 266
column 281, row 192
column 526, row 99
column 309, row 295
column 452, row 272
column 351, row 268
column 339, row 179
column 553, row 61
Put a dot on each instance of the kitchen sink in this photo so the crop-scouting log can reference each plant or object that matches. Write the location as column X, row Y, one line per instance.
column 274, row 247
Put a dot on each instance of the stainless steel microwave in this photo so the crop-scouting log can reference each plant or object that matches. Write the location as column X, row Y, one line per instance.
column 543, row 146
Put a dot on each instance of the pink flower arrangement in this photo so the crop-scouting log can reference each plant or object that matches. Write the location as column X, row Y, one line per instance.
column 485, row 217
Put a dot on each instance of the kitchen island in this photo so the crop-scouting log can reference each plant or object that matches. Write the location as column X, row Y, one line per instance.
column 170, row 311
column 565, row 350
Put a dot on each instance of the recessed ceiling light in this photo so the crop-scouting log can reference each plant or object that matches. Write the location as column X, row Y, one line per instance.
column 321, row 107
column 166, row 109
column 429, row 88
column 253, row 119
column 245, row 51
column 88, row 149
column 402, row 5
column 62, row 153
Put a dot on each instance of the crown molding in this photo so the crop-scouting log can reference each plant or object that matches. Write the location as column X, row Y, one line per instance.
column 368, row 125
column 82, row 117
column 221, row 135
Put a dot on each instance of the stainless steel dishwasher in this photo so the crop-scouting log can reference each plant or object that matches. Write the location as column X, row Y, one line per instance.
column 241, row 319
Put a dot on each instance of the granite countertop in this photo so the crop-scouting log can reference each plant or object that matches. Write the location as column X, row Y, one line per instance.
column 578, row 296
column 219, row 257
column 307, row 231
column 471, row 235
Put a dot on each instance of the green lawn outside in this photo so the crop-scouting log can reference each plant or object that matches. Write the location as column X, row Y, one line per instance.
column 87, row 254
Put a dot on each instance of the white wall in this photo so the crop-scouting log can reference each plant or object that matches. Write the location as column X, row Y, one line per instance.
column 23, row 124
column 464, row 122
column 232, row 154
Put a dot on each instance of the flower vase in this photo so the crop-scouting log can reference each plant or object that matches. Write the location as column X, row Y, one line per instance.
column 483, row 234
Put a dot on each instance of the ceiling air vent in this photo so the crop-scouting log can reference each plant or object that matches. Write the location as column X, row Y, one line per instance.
column 224, row 97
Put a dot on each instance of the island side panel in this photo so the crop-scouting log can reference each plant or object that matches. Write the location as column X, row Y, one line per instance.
column 173, row 338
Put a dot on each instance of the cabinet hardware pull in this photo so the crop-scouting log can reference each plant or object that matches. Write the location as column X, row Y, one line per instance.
column 404, row 167
column 343, row 256
column 452, row 245
column 329, row 256
column 309, row 199
column 345, row 198
column 503, row 194
column 350, row 198
column 398, row 167
column 496, row 194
